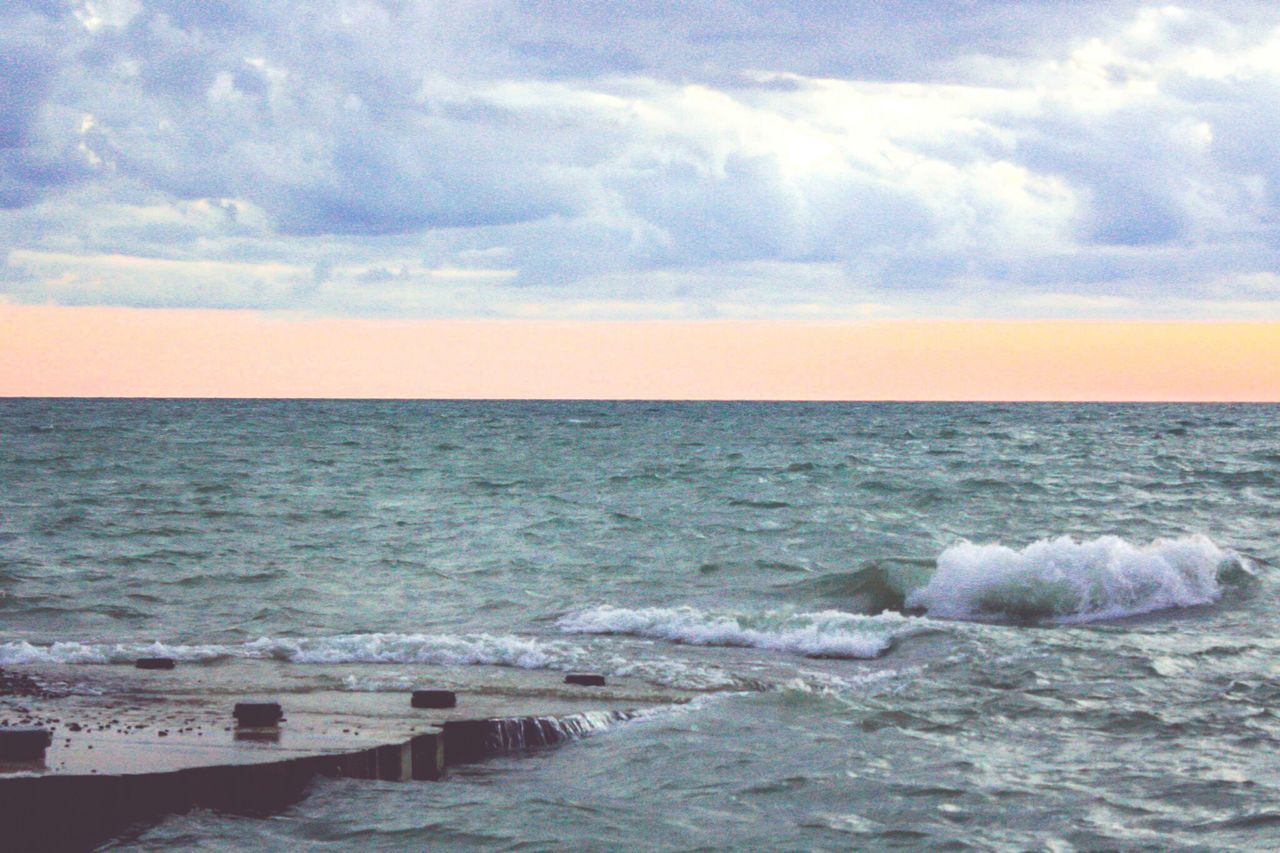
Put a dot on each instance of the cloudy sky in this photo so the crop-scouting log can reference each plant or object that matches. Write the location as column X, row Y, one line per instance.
column 642, row 160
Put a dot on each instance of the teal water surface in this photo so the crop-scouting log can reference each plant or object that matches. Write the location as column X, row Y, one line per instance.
column 997, row 626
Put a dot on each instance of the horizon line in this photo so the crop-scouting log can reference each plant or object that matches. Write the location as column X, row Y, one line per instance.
column 747, row 400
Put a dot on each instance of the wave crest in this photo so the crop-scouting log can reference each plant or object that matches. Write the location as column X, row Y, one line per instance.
column 1063, row 580
column 829, row 633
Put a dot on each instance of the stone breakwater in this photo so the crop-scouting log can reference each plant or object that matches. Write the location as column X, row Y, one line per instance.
column 129, row 747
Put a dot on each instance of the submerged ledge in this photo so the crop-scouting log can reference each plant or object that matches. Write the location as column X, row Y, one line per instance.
column 132, row 746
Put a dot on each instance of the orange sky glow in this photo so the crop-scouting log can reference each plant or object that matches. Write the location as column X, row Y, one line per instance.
column 92, row 351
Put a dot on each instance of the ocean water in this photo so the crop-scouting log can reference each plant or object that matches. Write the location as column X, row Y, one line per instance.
column 942, row 626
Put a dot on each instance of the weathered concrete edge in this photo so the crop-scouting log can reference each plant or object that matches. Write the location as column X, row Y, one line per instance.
column 69, row 812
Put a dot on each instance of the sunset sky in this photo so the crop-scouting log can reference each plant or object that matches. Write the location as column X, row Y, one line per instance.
column 963, row 199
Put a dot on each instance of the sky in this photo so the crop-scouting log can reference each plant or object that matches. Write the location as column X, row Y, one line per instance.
column 358, row 166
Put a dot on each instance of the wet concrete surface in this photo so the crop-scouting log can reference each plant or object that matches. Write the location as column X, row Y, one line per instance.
column 131, row 745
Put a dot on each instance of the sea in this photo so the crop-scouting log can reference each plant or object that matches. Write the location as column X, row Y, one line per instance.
column 987, row 626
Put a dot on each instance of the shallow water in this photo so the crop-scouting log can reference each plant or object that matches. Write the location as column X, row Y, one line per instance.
column 918, row 625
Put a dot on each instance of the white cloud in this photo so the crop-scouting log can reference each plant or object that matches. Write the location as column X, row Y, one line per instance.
column 96, row 14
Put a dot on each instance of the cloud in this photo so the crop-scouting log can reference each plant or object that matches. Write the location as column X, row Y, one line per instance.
column 729, row 158
column 36, row 155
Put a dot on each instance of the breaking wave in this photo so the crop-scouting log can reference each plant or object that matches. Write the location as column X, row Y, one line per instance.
column 1063, row 580
column 440, row 649
column 22, row 652
column 829, row 633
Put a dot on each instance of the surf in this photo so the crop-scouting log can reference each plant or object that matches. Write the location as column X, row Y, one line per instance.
column 1066, row 581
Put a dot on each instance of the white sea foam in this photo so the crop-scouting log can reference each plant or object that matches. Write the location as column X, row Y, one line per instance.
column 440, row 649
column 391, row 684
column 830, row 684
column 389, row 648
column 23, row 652
column 829, row 633
column 668, row 671
column 1068, row 581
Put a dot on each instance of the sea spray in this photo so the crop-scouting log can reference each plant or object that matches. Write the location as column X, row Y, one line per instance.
column 1064, row 580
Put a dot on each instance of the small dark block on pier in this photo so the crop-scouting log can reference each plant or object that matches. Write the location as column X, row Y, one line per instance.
column 434, row 699
column 258, row 713
column 155, row 663
column 23, row 743
column 585, row 679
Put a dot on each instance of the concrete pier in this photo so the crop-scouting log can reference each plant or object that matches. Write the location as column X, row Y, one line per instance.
column 131, row 746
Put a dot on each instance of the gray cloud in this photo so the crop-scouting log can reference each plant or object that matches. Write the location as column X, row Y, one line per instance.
column 471, row 158
column 33, row 154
